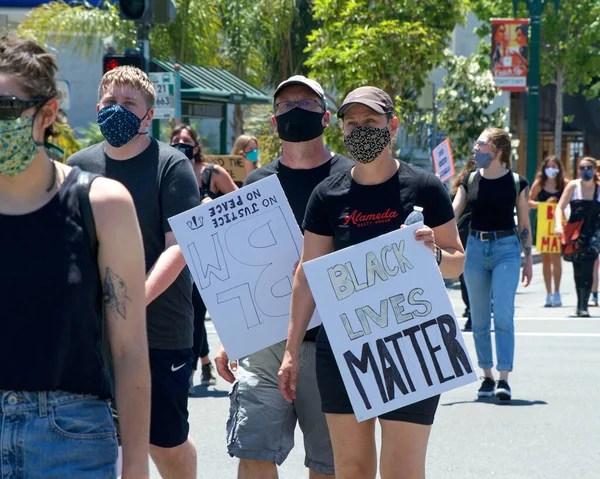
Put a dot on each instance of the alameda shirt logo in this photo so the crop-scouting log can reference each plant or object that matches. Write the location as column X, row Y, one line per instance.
column 359, row 219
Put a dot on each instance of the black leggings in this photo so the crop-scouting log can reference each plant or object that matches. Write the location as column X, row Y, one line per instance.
column 583, row 271
column 200, row 347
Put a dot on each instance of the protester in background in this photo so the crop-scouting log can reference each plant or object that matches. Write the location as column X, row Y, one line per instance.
column 463, row 224
column 162, row 184
column 548, row 187
column 494, row 253
column 582, row 194
column 247, row 146
column 261, row 424
column 376, row 184
column 54, row 290
column 213, row 181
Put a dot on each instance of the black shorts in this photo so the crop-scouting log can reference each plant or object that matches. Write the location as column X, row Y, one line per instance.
column 335, row 400
column 170, row 371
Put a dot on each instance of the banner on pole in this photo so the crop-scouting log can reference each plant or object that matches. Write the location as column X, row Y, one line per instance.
column 390, row 322
column 443, row 161
column 241, row 249
column 546, row 241
column 510, row 53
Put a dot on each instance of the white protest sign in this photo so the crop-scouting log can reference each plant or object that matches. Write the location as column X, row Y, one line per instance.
column 241, row 249
column 443, row 160
column 390, row 322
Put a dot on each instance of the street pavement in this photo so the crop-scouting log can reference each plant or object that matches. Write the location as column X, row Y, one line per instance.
column 551, row 428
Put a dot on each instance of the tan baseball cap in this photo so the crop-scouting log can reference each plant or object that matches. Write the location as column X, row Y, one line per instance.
column 369, row 96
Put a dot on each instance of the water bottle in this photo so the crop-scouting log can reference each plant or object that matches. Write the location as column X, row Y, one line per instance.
column 415, row 216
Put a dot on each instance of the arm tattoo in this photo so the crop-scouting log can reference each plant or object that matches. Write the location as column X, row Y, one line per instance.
column 524, row 240
column 527, row 193
column 216, row 170
column 115, row 293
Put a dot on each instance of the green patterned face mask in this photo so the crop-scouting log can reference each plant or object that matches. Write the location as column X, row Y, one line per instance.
column 17, row 146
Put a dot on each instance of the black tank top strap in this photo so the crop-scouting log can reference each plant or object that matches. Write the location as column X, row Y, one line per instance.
column 205, row 191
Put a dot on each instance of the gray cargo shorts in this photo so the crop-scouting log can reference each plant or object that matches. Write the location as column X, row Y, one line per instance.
column 261, row 422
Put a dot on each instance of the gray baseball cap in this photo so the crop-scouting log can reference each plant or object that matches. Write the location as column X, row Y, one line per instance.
column 369, row 96
column 301, row 80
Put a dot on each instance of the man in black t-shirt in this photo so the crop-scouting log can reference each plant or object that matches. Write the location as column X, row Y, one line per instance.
column 261, row 424
column 162, row 183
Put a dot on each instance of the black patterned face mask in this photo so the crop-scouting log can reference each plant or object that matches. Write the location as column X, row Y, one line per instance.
column 365, row 143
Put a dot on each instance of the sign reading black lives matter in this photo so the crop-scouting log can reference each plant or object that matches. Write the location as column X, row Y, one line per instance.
column 390, row 322
column 241, row 249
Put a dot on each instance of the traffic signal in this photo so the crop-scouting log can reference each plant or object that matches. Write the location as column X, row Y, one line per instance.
column 110, row 62
column 148, row 11
column 137, row 10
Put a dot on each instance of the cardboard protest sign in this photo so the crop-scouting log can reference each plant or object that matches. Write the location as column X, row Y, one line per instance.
column 546, row 241
column 234, row 165
column 443, row 160
column 390, row 322
column 241, row 249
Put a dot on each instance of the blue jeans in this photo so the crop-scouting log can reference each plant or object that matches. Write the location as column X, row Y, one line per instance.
column 492, row 271
column 56, row 435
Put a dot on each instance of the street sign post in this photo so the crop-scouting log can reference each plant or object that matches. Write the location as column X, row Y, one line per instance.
column 168, row 96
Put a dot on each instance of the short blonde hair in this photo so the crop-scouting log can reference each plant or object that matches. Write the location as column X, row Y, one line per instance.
column 129, row 76
column 240, row 145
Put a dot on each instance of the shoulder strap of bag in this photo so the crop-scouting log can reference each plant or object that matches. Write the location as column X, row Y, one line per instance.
column 84, row 182
column 471, row 179
column 517, row 181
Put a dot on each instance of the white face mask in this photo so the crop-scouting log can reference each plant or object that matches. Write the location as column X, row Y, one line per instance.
column 551, row 172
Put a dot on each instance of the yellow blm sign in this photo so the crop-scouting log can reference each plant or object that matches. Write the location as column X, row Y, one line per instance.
column 546, row 240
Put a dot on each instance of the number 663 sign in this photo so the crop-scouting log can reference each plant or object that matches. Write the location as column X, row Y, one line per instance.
column 167, row 95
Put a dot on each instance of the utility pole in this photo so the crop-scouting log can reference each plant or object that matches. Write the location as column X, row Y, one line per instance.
column 535, row 8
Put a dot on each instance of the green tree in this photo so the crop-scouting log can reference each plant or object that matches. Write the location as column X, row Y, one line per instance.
column 262, row 42
column 570, row 57
column 393, row 44
column 465, row 98
column 190, row 38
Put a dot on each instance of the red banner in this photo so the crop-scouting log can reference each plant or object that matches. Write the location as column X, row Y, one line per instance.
column 510, row 50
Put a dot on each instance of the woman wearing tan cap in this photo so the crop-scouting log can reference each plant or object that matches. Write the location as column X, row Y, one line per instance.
column 379, row 186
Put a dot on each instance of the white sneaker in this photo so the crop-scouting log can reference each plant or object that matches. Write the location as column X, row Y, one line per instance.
column 556, row 300
column 549, row 302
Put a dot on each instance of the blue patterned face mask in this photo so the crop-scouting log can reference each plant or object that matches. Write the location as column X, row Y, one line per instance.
column 118, row 125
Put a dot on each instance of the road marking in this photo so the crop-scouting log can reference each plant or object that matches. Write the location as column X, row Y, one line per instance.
column 557, row 335
column 558, row 319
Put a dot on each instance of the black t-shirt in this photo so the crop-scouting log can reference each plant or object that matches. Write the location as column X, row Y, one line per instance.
column 492, row 202
column 298, row 184
column 353, row 213
column 162, row 184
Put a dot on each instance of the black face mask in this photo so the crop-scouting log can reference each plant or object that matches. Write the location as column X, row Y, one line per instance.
column 187, row 150
column 300, row 125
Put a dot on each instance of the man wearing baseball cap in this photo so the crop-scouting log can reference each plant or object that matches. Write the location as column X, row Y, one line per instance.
column 261, row 424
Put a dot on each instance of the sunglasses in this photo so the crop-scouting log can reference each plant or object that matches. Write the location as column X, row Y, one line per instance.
column 11, row 108
column 582, row 168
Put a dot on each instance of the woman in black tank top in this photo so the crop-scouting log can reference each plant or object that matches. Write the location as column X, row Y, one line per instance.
column 213, row 181
column 58, row 293
column 548, row 187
